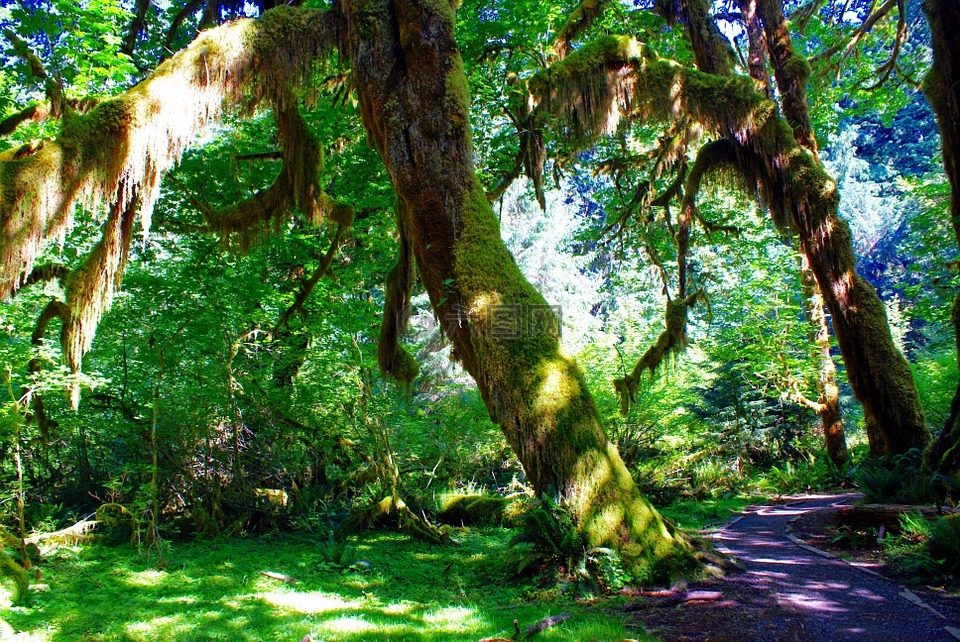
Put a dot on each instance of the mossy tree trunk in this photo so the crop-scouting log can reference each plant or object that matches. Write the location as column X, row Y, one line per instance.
column 828, row 404
column 414, row 103
column 792, row 180
column 942, row 87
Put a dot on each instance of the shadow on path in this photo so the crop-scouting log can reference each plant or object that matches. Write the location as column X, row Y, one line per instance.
column 789, row 593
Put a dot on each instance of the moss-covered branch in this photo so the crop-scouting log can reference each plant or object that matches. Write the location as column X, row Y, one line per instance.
column 393, row 358
column 128, row 142
column 672, row 340
column 611, row 76
column 579, row 21
column 343, row 217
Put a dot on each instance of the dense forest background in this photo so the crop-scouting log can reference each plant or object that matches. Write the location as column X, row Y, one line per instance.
column 233, row 386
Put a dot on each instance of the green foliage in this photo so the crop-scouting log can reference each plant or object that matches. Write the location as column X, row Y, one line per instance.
column 897, row 478
column 926, row 549
column 394, row 588
column 547, row 543
column 13, row 576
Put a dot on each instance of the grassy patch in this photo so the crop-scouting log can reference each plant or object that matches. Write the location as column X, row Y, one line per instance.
column 696, row 514
column 390, row 588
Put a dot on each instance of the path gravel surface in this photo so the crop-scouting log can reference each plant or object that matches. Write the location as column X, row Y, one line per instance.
column 790, row 592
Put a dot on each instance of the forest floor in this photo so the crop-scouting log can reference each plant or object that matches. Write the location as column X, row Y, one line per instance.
column 790, row 590
column 286, row 586
column 383, row 586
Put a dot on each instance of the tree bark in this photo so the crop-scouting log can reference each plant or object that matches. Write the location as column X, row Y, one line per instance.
column 801, row 195
column 942, row 87
column 828, row 405
column 414, row 102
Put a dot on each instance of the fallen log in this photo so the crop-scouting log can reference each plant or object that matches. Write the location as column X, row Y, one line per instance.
column 883, row 515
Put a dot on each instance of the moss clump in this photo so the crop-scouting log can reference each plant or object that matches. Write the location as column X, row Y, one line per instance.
column 585, row 89
column 342, row 213
column 798, row 67
column 475, row 509
column 15, row 575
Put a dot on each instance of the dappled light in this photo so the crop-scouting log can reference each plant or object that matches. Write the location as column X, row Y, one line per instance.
column 572, row 320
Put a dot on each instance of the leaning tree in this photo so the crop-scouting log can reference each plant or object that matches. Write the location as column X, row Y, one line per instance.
column 408, row 75
column 413, row 99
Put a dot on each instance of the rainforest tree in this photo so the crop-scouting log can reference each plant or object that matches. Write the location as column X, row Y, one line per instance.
column 404, row 66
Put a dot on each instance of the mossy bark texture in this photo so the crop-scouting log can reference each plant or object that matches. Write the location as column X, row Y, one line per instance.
column 414, row 102
column 942, row 87
column 788, row 176
column 828, row 405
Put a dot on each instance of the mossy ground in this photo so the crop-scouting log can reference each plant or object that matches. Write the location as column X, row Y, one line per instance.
column 387, row 588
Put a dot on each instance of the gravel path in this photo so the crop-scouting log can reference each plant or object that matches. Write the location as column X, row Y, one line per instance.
column 830, row 599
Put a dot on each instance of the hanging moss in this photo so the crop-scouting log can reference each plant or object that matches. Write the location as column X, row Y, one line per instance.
column 393, row 359
column 131, row 140
column 672, row 340
column 587, row 89
column 342, row 214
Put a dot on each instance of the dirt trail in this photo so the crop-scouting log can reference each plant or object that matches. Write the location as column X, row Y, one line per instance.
column 787, row 592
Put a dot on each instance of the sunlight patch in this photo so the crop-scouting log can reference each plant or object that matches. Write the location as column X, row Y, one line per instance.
column 558, row 386
column 149, row 577
column 310, row 603
column 159, row 627
column 178, row 599
column 452, row 618
column 402, row 608
column 350, row 625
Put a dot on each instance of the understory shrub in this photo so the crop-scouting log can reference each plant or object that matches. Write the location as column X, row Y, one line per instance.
column 926, row 549
column 895, row 479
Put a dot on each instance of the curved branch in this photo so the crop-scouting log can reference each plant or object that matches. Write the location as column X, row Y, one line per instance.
column 133, row 139
column 318, row 274
column 579, row 21
column 137, row 25
column 671, row 341
column 393, row 358
column 55, row 309
column 48, row 272
column 868, row 23
column 188, row 9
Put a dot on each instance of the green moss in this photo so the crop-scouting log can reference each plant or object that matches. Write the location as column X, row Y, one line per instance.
column 370, row 14
column 798, row 67
column 97, row 132
column 585, row 61
column 15, row 575
column 470, row 510
column 458, row 95
column 342, row 213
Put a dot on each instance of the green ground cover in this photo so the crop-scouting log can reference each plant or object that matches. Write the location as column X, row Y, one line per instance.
column 381, row 587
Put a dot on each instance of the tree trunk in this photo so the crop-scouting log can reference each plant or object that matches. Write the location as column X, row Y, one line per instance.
column 414, row 102
column 793, row 181
column 828, row 405
column 942, row 87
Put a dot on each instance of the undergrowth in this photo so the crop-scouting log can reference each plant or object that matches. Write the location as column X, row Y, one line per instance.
column 926, row 551
column 379, row 587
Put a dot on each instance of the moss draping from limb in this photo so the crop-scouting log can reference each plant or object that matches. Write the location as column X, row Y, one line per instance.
column 128, row 142
column 297, row 186
column 590, row 88
column 671, row 341
column 393, row 359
